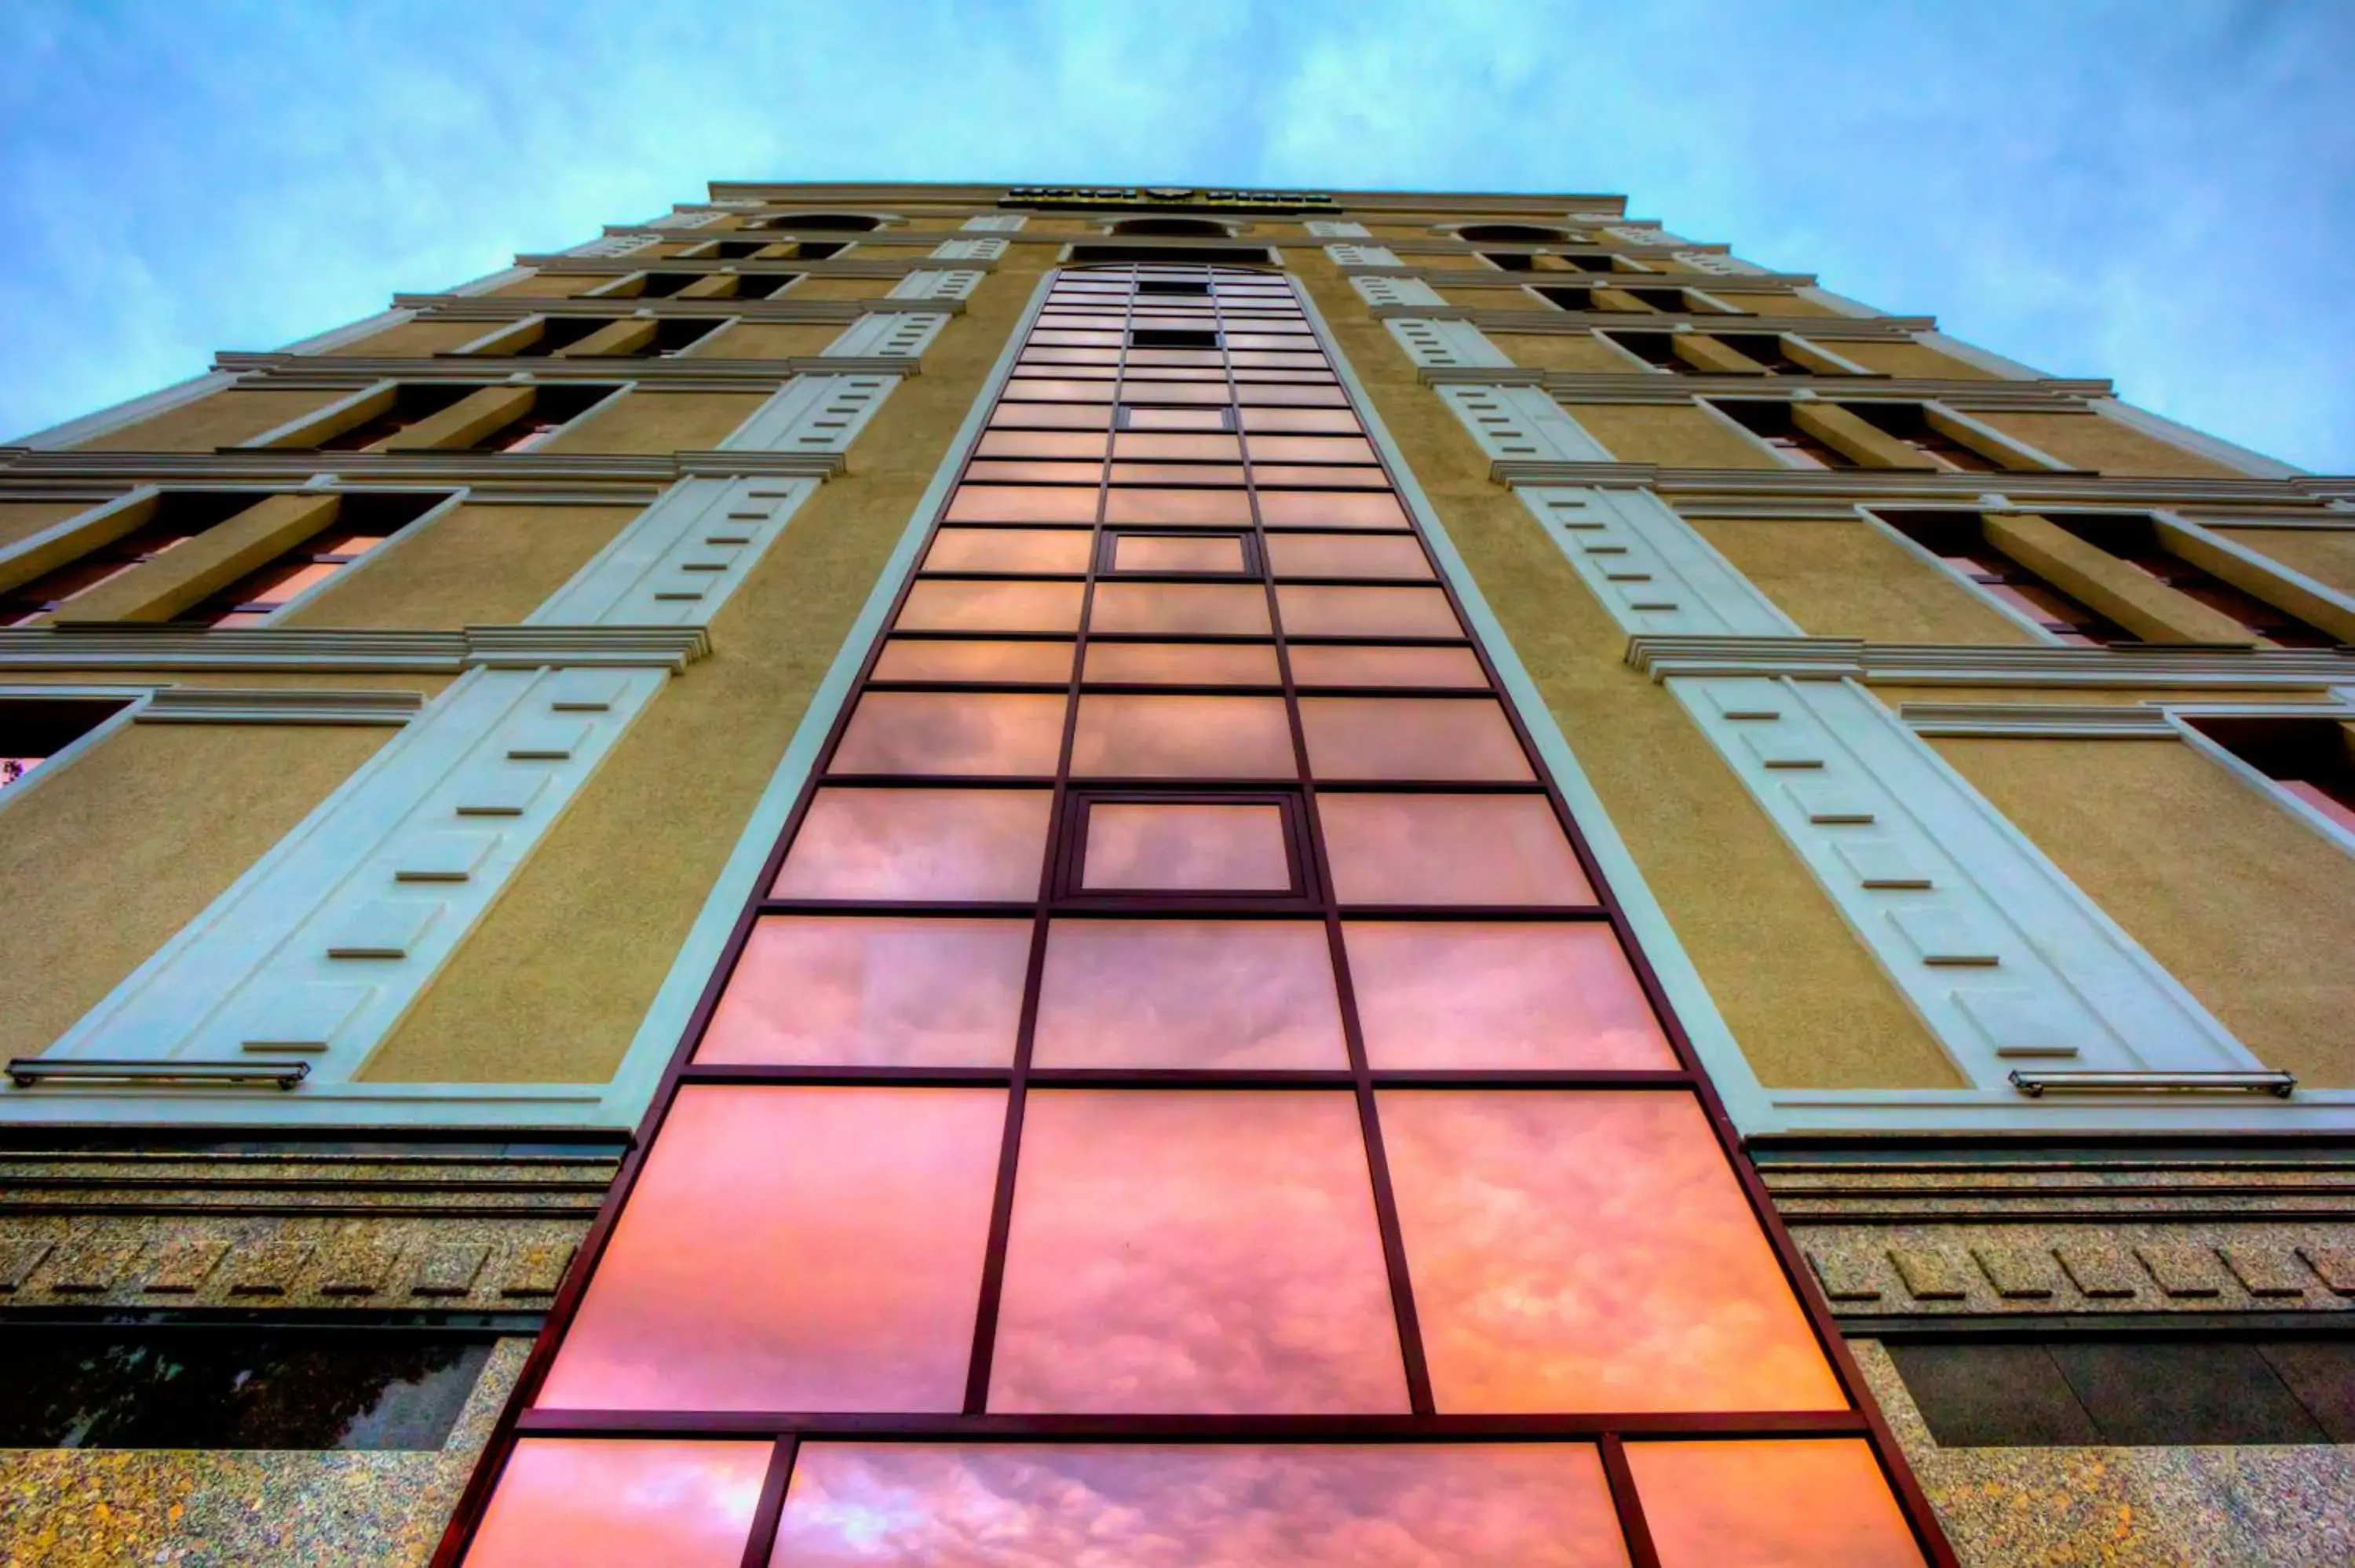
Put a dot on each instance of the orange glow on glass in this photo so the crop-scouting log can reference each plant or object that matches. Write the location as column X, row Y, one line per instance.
column 1193, row 1253
column 873, row 992
column 623, row 1502
column 1449, row 848
column 1172, row 847
column 1174, row 663
column 1818, row 1504
column 1232, row 994
column 1000, row 733
column 1506, row 995
column 1412, row 737
column 1152, row 736
column 918, row 844
column 792, row 1249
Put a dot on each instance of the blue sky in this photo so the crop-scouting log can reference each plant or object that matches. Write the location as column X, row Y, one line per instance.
column 2162, row 191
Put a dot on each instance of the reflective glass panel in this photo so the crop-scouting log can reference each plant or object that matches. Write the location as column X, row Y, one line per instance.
column 1449, row 848
column 1231, row 995
column 1009, row 550
column 1002, row 732
column 1321, row 509
column 925, row 659
column 1411, row 737
column 1047, row 388
column 1313, row 611
column 1022, row 503
column 1135, row 845
column 918, row 844
column 1137, row 446
column 1319, row 665
column 1039, row 444
column 1818, row 1503
column 1209, row 419
column 622, row 1503
column 1194, row 1253
column 1180, row 663
column 1345, row 556
column 1176, row 473
column 933, row 606
column 1034, row 470
column 1174, row 553
column 1054, row 1505
column 1145, row 735
column 1237, row 609
column 1266, row 472
column 1050, row 415
column 873, row 992
column 1500, row 994
column 1334, row 421
column 1663, row 1295
column 1209, row 508
column 792, row 1249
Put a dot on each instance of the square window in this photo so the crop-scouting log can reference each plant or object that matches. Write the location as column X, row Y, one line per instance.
column 1194, row 1254
column 1502, row 995
column 824, row 990
column 1146, row 735
column 1347, row 556
column 617, row 1502
column 1412, row 737
column 1312, row 610
column 1320, row 664
column 918, row 845
column 1206, row 420
column 1165, row 609
column 1222, row 553
column 1325, row 1505
column 1724, row 1505
column 1664, row 1295
column 798, row 1248
column 1232, row 995
column 1449, row 850
column 935, row 606
column 1000, row 733
column 1008, row 549
column 1220, row 844
column 1184, row 664
column 991, row 663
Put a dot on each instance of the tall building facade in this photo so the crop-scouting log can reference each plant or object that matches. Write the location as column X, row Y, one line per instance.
column 966, row 874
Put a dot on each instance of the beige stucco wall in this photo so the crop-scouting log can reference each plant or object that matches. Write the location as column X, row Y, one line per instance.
column 23, row 519
column 643, row 421
column 1505, row 295
column 1672, row 435
column 475, row 565
column 2327, row 556
column 766, row 340
column 543, row 990
column 2093, row 441
column 1911, row 358
column 222, row 419
column 129, row 841
column 415, row 339
column 1802, row 996
column 1581, row 351
column 1852, row 580
column 840, row 289
column 2252, row 910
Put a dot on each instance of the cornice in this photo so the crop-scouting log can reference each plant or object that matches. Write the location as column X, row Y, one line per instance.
column 708, row 266
column 1490, row 278
column 270, row 648
column 1740, row 492
column 489, row 472
column 514, row 307
column 1566, row 324
column 1975, row 664
column 1667, row 389
column 688, row 374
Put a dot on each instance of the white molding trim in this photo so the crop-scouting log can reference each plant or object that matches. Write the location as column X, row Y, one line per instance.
column 278, row 705
column 320, row 343
column 678, row 561
column 2175, row 715
column 1986, row 663
column 2215, row 449
column 938, row 283
column 1986, row 359
column 319, row 949
column 1363, row 256
column 1521, row 423
column 115, row 416
column 1648, row 568
column 1716, row 263
column 2001, row 954
column 130, row 697
column 2039, row 721
column 1405, row 294
column 1445, row 344
column 1336, row 229
column 996, row 222
column 902, row 335
column 968, row 250
column 816, row 415
column 299, row 650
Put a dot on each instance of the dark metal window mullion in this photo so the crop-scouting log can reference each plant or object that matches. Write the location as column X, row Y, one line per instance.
column 1001, row 1218
column 1416, row 1364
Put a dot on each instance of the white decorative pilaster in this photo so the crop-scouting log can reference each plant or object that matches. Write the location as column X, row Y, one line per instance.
column 1381, row 290
column 1447, row 345
column 1522, row 424
column 1650, row 568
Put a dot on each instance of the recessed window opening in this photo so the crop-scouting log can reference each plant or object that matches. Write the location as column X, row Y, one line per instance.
column 1173, row 226
column 1567, row 297
column 1172, row 337
column 1959, row 539
column 2138, row 542
column 818, row 249
column 157, row 1386
column 561, row 332
column 1510, row 260
column 1206, row 845
column 1772, row 423
column 1170, row 286
column 1653, row 348
column 2311, row 759
column 1592, row 263
column 364, row 521
column 855, row 222
column 1208, row 255
column 33, row 730
column 1192, row 553
column 1908, row 423
column 1512, row 234
column 178, row 516
column 675, row 333
column 733, row 249
column 411, row 402
column 1768, row 349
column 663, row 285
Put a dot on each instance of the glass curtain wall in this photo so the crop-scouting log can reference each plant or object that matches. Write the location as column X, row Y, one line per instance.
column 1184, row 1095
